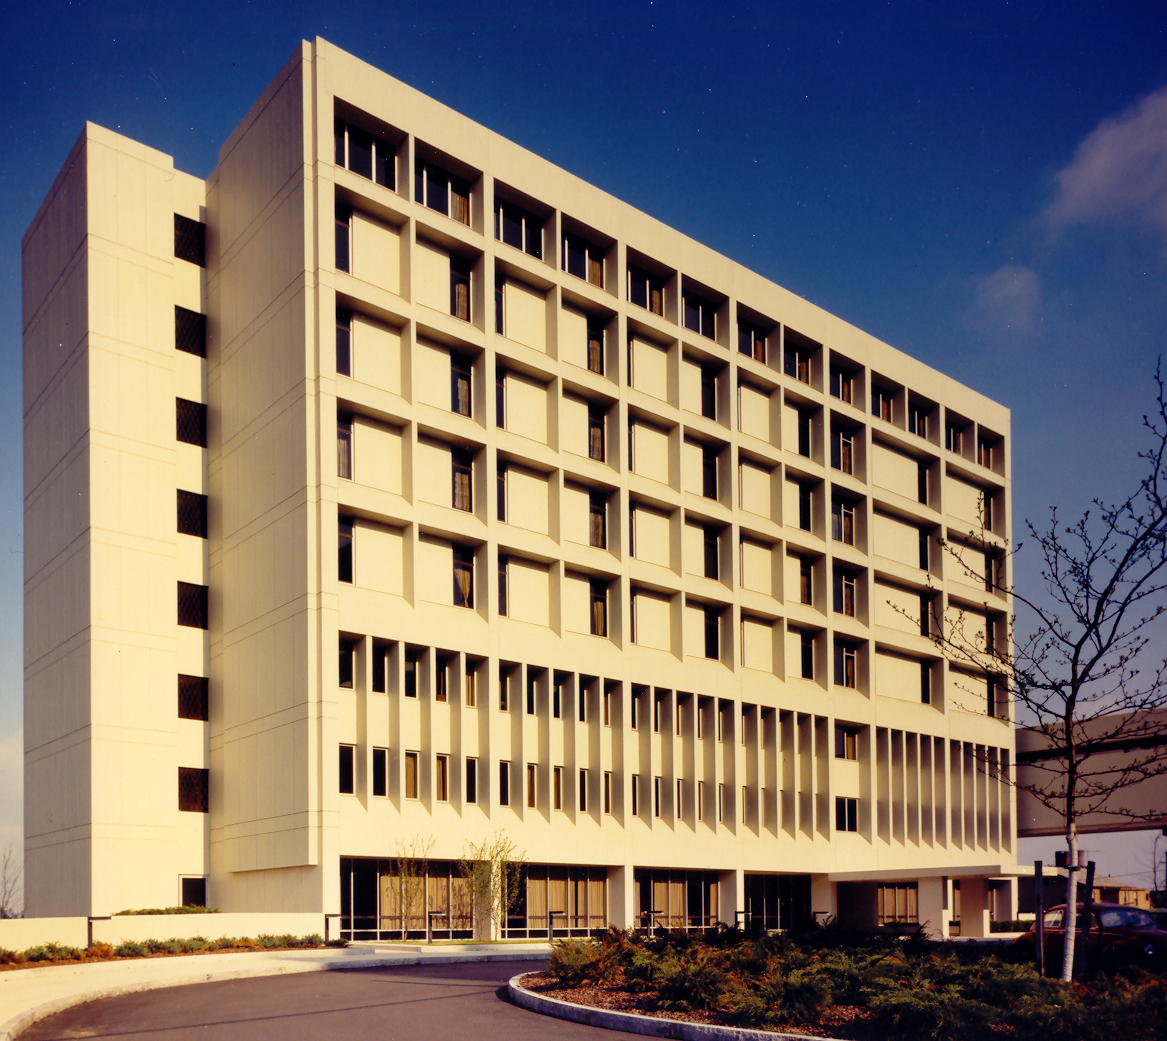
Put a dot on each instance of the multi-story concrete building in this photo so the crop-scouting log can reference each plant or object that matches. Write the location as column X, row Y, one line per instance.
column 620, row 549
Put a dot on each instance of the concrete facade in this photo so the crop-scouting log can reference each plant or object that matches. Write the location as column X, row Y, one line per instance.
column 622, row 550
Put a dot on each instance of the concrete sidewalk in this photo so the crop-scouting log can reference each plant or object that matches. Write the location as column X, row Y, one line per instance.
column 29, row 995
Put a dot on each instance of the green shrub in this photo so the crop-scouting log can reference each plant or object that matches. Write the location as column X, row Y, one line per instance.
column 195, row 943
column 311, row 940
column 1007, row 925
column 131, row 949
column 52, row 952
column 8, row 957
column 691, row 979
column 184, row 909
column 574, row 963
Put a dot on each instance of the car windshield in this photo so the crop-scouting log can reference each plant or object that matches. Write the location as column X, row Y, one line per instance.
column 1053, row 919
column 1126, row 917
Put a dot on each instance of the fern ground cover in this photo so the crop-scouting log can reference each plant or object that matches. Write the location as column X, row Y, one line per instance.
column 828, row 981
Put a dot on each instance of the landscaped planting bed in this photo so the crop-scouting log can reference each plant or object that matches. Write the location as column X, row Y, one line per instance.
column 828, row 981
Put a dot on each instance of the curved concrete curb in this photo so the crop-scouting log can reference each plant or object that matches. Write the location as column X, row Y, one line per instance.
column 634, row 1024
column 11, row 1029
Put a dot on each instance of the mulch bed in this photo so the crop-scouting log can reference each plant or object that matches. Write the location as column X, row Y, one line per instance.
column 841, row 1021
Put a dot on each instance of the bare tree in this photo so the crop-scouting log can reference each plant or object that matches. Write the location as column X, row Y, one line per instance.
column 1085, row 679
column 493, row 869
column 11, row 870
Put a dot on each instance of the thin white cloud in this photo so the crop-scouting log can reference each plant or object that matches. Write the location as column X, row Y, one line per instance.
column 1009, row 300
column 1119, row 173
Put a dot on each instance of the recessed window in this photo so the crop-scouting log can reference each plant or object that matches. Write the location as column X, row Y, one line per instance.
column 190, row 240
column 460, row 384
column 191, row 422
column 712, row 632
column 532, row 692
column 503, row 586
column 462, row 471
column 504, row 783
column 366, row 154
column 343, row 239
column 500, row 488
column 845, row 662
column 881, row 403
column 194, row 891
column 656, row 796
column 720, row 803
column 846, row 814
column 583, row 259
column 345, row 673
column 898, row 904
column 411, row 675
column 192, row 605
column 842, row 384
column 599, row 613
column 607, row 792
column 471, row 685
column 596, row 345
column 464, row 576
column 504, row 686
column 380, row 772
column 679, row 808
column 712, row 554
column 751, row 341
column 193, row 785
column 709, row 454
column 557, row 787
column 922, row 482
column 460, row 288
column 985, row 452
column 925, row 614
column 344, row 447
column 519, row 228
column 709, row 392
column 442, row 681
column 843, row 522
column 192, row 514
column 606, row 704
column 926, row 684
column 805, row 581
column 347, row 769
column 797, row 363
column 700, row 800
column 808, row 656
column 411, row 775
column 442, row 778
column 845, row 592
column 471, row 780
column 804, row 512
column 440, row 191
column 193, row 697
column 918, row 421
column 556, row 700
column 846, row 742
column 646, row 290
column 190, row 332
column 700, row 315
column 954, row 438
column 596, row 432
column 344, row 556
column 656, row 699
column 344, row 342
column 531, row 775
column 598, row 520
column 634, row 788
column 380, row 661
column 843, row 450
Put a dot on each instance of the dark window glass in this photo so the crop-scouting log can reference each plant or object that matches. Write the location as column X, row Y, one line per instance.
column 463, row 576
column 460, row 288
column 511, row 231
column 410, row 677
column 344, row 343
column 532, row 690
column 596, row 432
column 360, row 152
column 804, row 420
column 437, row 184
column 190, row 240
column 709, row 471
column 924, row 562
column 460, row 201
column 926, row 684
column 575, row 256
column 460, row 384
column 699, row 315
column 599, row 607
column 193, row 697
column 462, row 464
column 501, row 492
column 804, row 507
column 194, row 892
column 500, row 400
column 712, row 553
column 922, row 483
column 411, row 775
column 345, row 670
column 190, row 332
column 472, row 780
column 192, row 605
column 504, row 784
column 346, row 769
column 342, row 241
column 925, row 615
column 500, row 306
column 380, row 771
column 807, row 656
column 638, row 287
column 339, row 136
column 192, row 514
column 708, row 393
column 806, row 582
column 598, row 526
column 344, row 447
column 596, row 345
column 502, row 596
column 379, row 652
column 191, row 422
column 712, row 632
column 344, row 562
column 193, row 790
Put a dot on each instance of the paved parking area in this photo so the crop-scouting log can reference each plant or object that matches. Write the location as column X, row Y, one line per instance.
column 415, row 1003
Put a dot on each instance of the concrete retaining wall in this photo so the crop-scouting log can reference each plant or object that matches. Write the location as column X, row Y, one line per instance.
column 18, row 934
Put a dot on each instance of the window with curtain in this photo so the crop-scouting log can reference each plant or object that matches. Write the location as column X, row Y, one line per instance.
column 463, row 576
column 462, row 467
column 344, row 447
column 599, row 589
column 460, row 384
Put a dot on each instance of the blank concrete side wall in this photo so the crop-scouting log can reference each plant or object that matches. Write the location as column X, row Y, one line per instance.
column 377, row 455
column 577, row 604
column 757, row 567
column 435, row 571
column 653, row 620
column 897, row 676
column 376, row 252
column 433, row 479
column 528, row 592
column 257, row 370
column 650, row 368
column 650, row 452
column 963, row 502
column 56, row 560
column 430, row 276
column 431, row 375
column 652, row 535
column 376, row 354
column 526, row 406
column 896, row 540
column 758, row 644
column 379, row 557
column 895, row 471
column 897, row 608
column 576, row 505
column 525, row 316
column 573, row 337
column 755, row 489
column 528, row 496
column 122, row 928
column 754, row 411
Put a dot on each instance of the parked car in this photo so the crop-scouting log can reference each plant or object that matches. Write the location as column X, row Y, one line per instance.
column 1119, row 934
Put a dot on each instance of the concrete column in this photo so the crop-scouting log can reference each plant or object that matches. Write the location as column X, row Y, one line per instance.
column 974, row 907
column 731, row 896
column 621, row 897
column 933, row 907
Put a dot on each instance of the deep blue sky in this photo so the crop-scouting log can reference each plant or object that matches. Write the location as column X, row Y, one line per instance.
column 983, row 185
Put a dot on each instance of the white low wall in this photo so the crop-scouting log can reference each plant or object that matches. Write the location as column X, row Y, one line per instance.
column 19, row 934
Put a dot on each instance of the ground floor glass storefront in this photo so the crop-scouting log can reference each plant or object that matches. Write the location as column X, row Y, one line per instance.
column 571, row 901
column 382, row 899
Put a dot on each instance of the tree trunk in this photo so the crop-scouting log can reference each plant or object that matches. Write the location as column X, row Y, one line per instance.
column 1070, row 920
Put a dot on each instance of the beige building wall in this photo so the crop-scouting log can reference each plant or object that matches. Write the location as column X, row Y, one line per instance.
column 550, row 531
